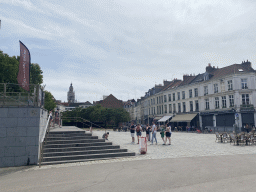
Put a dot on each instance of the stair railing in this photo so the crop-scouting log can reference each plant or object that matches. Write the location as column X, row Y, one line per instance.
column 83, row 121
column 44, row 135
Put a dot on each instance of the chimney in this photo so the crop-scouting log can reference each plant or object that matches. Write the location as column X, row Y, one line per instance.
column 247, row 64
column 209, row 68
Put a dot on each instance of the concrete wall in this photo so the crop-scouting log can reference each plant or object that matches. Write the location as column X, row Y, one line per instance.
column 19, row 135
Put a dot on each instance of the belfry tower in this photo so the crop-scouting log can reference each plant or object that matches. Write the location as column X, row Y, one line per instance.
column 71, row 94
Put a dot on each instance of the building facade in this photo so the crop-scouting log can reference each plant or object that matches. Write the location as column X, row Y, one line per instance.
column 219, row 99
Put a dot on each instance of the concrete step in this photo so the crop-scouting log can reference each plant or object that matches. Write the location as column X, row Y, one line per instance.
column 74, row 141
column 49, row 150
column 66, row 132
column 71, row 138
column 89, row 156
column 47, row 146
column 69, row 134
column 82, row 160
column 86, row 152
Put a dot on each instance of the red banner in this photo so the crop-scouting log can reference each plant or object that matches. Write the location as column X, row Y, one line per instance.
column 24, row 67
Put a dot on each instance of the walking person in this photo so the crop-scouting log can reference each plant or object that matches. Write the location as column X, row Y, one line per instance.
column 132, row 130
column 162, row 133
column 168, row 133
column 148, row 132
column 138, row 132
column 154, row 131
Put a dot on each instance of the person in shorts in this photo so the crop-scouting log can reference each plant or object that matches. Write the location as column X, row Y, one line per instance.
column 132, row 132
column 148, row 132
column 168, row 133
column 138, row 131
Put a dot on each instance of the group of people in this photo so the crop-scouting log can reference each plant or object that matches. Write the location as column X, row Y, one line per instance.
column 165, row 132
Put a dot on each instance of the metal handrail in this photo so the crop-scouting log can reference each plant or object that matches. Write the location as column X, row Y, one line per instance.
column 84, row 120
column 41, row 141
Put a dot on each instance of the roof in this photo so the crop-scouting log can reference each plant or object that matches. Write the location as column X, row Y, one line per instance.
column 232, row 69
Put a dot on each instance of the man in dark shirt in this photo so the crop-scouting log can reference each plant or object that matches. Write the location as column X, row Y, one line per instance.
column 132, row 132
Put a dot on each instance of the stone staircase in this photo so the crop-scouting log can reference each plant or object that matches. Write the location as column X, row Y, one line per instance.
column 74, row 145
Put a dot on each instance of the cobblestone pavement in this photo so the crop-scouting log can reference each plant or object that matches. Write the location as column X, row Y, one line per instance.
column 182, row 145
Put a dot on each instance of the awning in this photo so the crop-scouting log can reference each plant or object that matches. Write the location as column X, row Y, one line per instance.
column 165, row 118
column 183, row 118
column 157, row 118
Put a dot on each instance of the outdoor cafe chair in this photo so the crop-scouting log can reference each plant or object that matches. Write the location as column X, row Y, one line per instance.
column 251, row 139
column 224, row 137
column 233, row 139
column 218, row 137
column 242, row 139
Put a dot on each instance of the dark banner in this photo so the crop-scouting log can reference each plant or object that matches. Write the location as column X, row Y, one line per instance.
column 24, row 67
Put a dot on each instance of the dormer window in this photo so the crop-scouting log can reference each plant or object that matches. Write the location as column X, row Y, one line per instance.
column 206, row 76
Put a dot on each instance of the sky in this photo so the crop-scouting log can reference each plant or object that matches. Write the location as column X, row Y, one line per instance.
column 125, row 47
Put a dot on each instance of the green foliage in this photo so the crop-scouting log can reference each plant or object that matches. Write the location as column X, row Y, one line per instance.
column 97, row 113
column 9, row 68
column 36, row 76
column 49, row 102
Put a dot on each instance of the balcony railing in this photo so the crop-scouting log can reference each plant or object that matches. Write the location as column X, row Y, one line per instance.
column 14, row 95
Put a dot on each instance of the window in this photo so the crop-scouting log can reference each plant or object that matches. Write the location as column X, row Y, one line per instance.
column 230, row 85
column 178, row 95
column 174, row 108
column 196, row 92
column 205, row 90
column 157, row 100
column 231, row 100
column 217, row 103
column 183, row 95
column 207, row 104
column 165, row 108
column 244, row 83
column 191, row 105
column 173, row 96
column 190, row 93
column 152, row 110
column 197, row 105
column 184, row 107
column 154, row 101
column 170, row 108
column 149, row 111
column 157, row 109
column 179, row 108
column 215, row 88
column 224, row 102
column 170, row 97
column 165, row 98
column 162, row 109
column 162, row 99
column 245, row 99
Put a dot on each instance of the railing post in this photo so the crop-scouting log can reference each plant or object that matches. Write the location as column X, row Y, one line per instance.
column 4, row 92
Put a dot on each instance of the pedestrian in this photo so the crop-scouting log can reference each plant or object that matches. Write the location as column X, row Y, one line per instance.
column 154, row 131
column 138, row 132
column 168, row 133
column 105, row 135
column 147, row 132
column 132, row 130
column 162, row 133
column 50, row 114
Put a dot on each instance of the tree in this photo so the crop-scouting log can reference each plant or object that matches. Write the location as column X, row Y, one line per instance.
column 9, row 68
column 49, row 101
